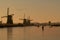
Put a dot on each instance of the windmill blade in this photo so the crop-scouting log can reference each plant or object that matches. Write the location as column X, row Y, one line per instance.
column 24, row 15
column 29, row 18
column 12, row 14
column 7, row 11
column 3, row 16
column 21, row 19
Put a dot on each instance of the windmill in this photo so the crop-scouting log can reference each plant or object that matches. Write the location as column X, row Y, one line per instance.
column 9, row 17
column 26, row 21
column 9, row 21
column 29, row 20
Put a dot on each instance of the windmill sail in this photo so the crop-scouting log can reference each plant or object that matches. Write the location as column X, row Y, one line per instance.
column 7, row 11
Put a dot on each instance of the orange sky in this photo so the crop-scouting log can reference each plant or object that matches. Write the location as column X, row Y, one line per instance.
column 42, row 10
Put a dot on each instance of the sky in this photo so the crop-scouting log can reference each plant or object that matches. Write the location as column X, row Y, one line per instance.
column 42, row 10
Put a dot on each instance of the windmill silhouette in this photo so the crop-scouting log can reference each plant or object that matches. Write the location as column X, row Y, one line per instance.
column 26, row 21
column 9, row 17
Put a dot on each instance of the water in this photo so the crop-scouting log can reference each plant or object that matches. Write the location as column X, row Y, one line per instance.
column 32, row 33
